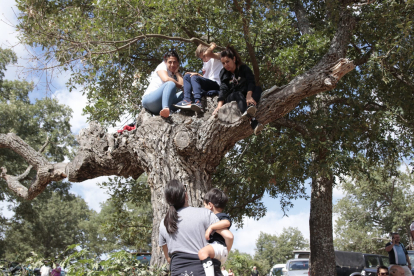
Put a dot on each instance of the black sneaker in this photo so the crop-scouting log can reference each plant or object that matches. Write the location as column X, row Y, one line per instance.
column 197, row 106
column 256, row 126
column 250, row 111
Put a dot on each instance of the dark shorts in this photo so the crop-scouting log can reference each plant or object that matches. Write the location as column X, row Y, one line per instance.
column 184, row 263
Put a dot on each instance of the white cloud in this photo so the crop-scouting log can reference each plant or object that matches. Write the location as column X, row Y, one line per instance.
column 77, row 102
column 91, row 192
column 4, row 210
column 273, row 223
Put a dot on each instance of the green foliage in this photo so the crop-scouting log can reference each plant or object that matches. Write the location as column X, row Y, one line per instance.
column 47, row 225
column 376, row 203
column 277, row 249
column 241, row 263
column 126, row 218
column 84, row 263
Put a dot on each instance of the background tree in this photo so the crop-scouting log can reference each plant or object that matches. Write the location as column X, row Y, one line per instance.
column 241, row 263
column 126, row 218
column 277, row 249
column 299, row 46
column 375, row 205
column 49, row 227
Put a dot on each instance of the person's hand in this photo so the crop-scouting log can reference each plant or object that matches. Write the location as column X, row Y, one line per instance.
column 215, row 112
column 195, row 74
column 212, row 46
column 249, row 99
column 169, row 260
column 208, row 233
column 409, row 266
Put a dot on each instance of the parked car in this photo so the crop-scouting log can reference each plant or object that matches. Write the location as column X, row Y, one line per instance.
column 296, row 267
column 358, row 264
column 276, row 270
column 372, row 261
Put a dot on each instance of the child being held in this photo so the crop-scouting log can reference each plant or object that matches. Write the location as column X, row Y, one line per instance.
column 221, row 241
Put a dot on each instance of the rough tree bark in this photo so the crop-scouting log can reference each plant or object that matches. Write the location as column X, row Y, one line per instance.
column 186, row 147
column 320, row 223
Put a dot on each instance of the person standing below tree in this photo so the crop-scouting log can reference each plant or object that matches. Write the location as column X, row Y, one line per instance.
column 182, row 232
column 382, row 271
column 161, row 92
column 412, row 230
column 56, row 271
column 397, row 270
column 254, row 272
column 238, row 84
column 45, row 270
column 197, row 84
column 224, row 271
column 398, row 255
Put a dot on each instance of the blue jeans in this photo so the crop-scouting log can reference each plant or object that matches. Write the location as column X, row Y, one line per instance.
column 198, row 85
column 165, row 96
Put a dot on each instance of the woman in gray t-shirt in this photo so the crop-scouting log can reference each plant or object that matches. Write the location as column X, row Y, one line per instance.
column 182, row 232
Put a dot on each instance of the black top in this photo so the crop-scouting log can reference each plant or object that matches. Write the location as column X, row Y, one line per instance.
column 255, row 273
column 241, row 81
column 215, row 237
column 392, row 253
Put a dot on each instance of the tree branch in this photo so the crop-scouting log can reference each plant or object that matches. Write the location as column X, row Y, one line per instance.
column 46, row 172
column 301, row 16
column 250, row 48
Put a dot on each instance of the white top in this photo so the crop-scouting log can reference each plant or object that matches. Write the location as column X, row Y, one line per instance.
column 412, row 226
column 45, row 271
column 225, row 273
column 154, row 80
column 213, row 68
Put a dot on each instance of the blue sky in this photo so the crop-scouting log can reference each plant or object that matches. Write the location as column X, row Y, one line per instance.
column 272, row 223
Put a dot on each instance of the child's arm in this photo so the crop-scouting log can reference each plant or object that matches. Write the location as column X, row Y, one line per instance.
column 209, row 52
column 165, row 249
column 222, row 224
column 228, row 237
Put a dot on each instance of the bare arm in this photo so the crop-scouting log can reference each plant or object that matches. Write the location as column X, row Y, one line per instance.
column 228, row 237
column 222, row 224
column 408, row 261
column 209, row 52
column 164, row 77
column 165, row 249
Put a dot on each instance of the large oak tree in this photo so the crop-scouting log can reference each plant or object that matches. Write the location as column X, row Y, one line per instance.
column 296, row 49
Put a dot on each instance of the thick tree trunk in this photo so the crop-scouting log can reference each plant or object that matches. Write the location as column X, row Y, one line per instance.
column 320, row 227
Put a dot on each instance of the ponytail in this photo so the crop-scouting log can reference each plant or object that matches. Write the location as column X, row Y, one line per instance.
column 175, row 197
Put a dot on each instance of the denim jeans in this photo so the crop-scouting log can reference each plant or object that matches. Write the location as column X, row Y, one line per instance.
column 165, row 96
column 198, row 85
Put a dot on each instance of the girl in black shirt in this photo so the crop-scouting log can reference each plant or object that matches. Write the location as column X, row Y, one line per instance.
column 237, row 84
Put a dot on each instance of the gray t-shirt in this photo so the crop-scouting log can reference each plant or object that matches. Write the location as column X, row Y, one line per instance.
column 192, row 225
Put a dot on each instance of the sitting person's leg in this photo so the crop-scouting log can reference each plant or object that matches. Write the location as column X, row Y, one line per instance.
column 187, row 87
column 153, row 100
column 240, row 100
column 201, row 85
column 168, row 98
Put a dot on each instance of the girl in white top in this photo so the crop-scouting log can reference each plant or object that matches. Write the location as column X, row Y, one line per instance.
column 161, row 92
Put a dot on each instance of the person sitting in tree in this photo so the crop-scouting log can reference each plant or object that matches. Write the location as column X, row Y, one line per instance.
column 195, row 85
